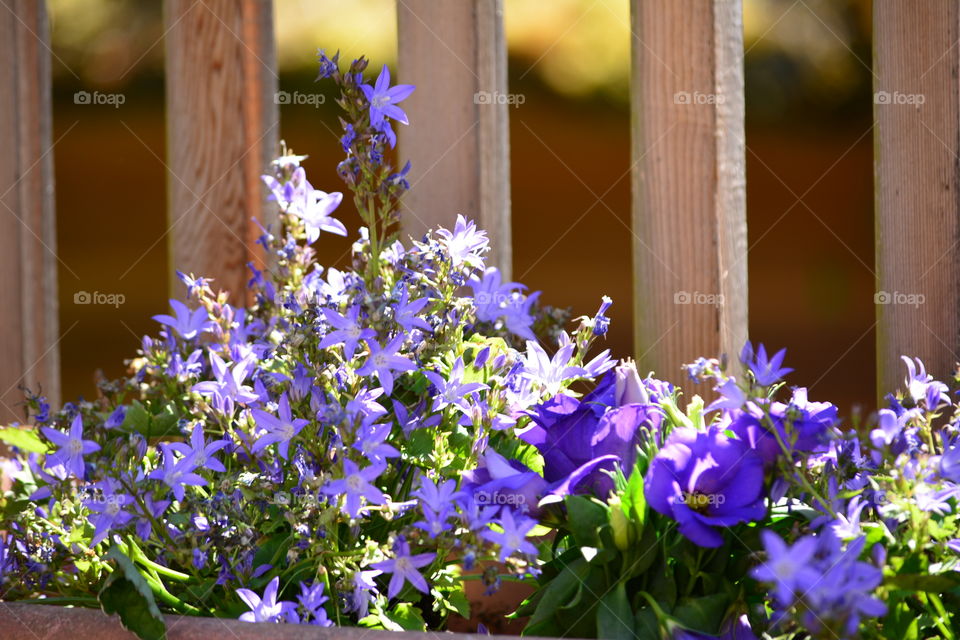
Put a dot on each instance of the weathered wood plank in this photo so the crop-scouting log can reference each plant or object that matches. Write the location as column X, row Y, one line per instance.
column 689, row 202
column 916, row 142
column 458, row 138
column 222, row 128
column 29, row 329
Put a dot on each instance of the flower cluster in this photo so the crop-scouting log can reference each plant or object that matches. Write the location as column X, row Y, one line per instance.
column 356, row 444
column 324, row 456
column 752, row 514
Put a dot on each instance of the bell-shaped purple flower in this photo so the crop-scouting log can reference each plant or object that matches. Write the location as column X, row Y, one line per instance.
column 705, row 481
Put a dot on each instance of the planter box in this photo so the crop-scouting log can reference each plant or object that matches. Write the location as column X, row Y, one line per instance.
column 20, row 621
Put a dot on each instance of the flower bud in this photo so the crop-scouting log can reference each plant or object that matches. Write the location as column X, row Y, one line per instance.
column 622, row 529
column 629, row 387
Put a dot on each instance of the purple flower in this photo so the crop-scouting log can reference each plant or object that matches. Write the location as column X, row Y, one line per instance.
column 279, row 430
column 788, row 568
column 765, row 371
column 803, row 426
column 311, row 599
column 116, row 418
column 383, row 101
column 922, row 388
column 704, row 481
column 72, row 447
column 201, row 451
column 347, row 330
column 580, row 440
column 547, row 371
column 356, row 484
column 437, row 496
column 601, row 323
column 403, row 568
column 950, row 461
column 371, row 441
column 499, row 482
column 466, row 244
column 453, row 391
column 189, row 324
column 363, row 592
column 489, row 294
column 732, row 397
column 405, row 313
column 513, row 538
column 517, row 314
column 228, row 387
column 297, row 197
column 267, row 609
column 831, row 587
column 177, row 474
column 107, row 510
column 384, row 361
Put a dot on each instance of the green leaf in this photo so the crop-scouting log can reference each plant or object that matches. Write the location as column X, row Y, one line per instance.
column 634, row 501
column 420, row 443
column 26, row 440
column 560, row 590
column 614, row 615
column 925, row 582
column 459, row 602
column 585, row 516
column 127, row 593
column 403, row 617
column 136, row 419
column 702, row 614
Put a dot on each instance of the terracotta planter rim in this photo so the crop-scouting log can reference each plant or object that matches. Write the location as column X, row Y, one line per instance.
column 51, row 622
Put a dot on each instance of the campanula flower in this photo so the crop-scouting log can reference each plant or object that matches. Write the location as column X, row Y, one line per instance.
column 383, row 101
column 705, row 481
column 229, row 386
column 403, row 567
column 311, row 598
column 466, row 244
column 201, row 451
column 765, row 371
column 405, row 312
column 188, row 324
column 356, row 485
column 384, row 361
column 922, row 389
column 579, row 441
column 802, row 426
column 177, row 473
column 550, row 372
column 72, row 447
column 363, row 591
column 601, row 323
column 513, row 537
column 452, row 391
column 107, row 510
column 347, row 331
column 279, row 430
column 267, row 609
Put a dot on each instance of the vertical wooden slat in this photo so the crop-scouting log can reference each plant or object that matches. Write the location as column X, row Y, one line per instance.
column 689, row 202
column 28, row 264
column 916, row 142
column 457, row 140
column 222, row 128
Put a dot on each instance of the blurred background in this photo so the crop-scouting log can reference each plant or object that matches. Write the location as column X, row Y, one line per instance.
column 809, row 168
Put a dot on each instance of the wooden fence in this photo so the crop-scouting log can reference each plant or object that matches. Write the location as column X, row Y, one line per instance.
column 689, row 212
